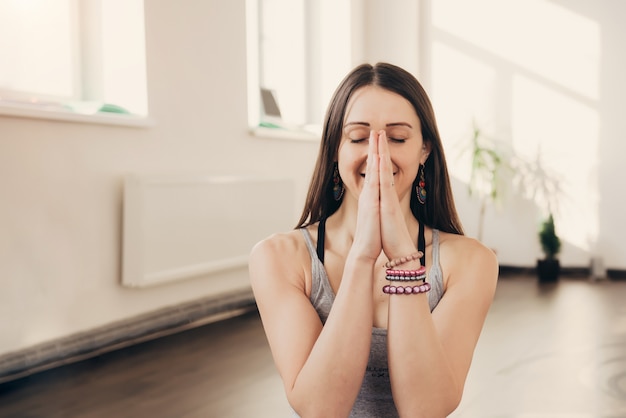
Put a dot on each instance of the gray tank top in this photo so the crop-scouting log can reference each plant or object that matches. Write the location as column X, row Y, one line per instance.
column 374, row 399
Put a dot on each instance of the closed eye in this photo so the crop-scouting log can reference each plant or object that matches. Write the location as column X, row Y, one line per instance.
column 398, row 140
column 358, row 140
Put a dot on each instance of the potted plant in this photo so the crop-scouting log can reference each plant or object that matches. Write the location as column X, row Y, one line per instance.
column 489, row 164
column 549, row 267
column 542, row 186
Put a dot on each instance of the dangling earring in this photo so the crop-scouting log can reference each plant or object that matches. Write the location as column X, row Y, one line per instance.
column 338, row 188
column 421, row 186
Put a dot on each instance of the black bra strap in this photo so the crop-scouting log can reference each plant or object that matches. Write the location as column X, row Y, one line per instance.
column 321, row 232
column 421, row 244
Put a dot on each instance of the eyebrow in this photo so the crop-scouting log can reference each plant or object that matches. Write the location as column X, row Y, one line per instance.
column 387, row 125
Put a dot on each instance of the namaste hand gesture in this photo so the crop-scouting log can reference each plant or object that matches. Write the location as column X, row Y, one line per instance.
column 381, row 225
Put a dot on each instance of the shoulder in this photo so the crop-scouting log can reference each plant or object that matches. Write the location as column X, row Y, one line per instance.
column 280, row 257
column 466, row 247
column 465, row 257
column 278, row 249
column 278, row 243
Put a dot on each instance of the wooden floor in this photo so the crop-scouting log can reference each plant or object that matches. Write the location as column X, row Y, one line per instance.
column 545, row 352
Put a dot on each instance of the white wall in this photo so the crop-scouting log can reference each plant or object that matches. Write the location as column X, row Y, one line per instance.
column 60, row 182
column 535, row 74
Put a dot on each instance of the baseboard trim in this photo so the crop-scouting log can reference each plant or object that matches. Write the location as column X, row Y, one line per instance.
column 81, row 346
column 569, row 272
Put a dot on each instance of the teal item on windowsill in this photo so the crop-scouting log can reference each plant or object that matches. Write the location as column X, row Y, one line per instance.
column 111, row 108
column 265, row 124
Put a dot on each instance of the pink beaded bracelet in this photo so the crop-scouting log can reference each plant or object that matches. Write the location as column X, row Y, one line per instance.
column 420, row 271
column 403, row 260
column 406, row 275
column 406, row 290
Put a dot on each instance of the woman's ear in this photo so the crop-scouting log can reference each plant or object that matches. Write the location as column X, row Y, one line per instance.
column 426, row 148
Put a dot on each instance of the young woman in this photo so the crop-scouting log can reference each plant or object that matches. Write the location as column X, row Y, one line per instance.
column 356, row 325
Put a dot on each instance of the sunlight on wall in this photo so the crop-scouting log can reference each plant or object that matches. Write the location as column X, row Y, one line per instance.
column 565, row 132
column 528, row 73
column 461, row 98
column 536, row 35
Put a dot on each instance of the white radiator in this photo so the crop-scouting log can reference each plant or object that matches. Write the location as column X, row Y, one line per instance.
column 176, row 228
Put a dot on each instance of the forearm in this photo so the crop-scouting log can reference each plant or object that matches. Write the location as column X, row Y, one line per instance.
column 330, row 380
column 422, row 380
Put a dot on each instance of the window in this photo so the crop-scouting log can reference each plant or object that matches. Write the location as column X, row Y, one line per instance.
column 73, row 56
column 299, row 51
column 38, row 48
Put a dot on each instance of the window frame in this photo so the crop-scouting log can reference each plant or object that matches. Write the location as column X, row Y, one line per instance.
column 87, row 89
column 313, row 103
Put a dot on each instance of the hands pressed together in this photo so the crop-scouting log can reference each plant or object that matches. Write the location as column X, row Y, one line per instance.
column 381, row 225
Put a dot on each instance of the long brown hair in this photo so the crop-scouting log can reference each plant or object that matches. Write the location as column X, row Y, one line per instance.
column 439, row 210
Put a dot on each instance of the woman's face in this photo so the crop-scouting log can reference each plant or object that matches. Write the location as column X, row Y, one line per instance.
column 373, row 108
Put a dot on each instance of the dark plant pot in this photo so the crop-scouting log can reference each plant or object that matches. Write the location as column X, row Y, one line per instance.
column 548, row 270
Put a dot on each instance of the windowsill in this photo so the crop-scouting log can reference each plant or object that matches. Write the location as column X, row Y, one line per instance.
column 282, row 133
column 58, row 113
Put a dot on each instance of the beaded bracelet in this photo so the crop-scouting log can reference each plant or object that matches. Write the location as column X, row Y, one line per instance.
column 420, row 278
column 406, row 290
column 406, row 275
column 403, row 260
